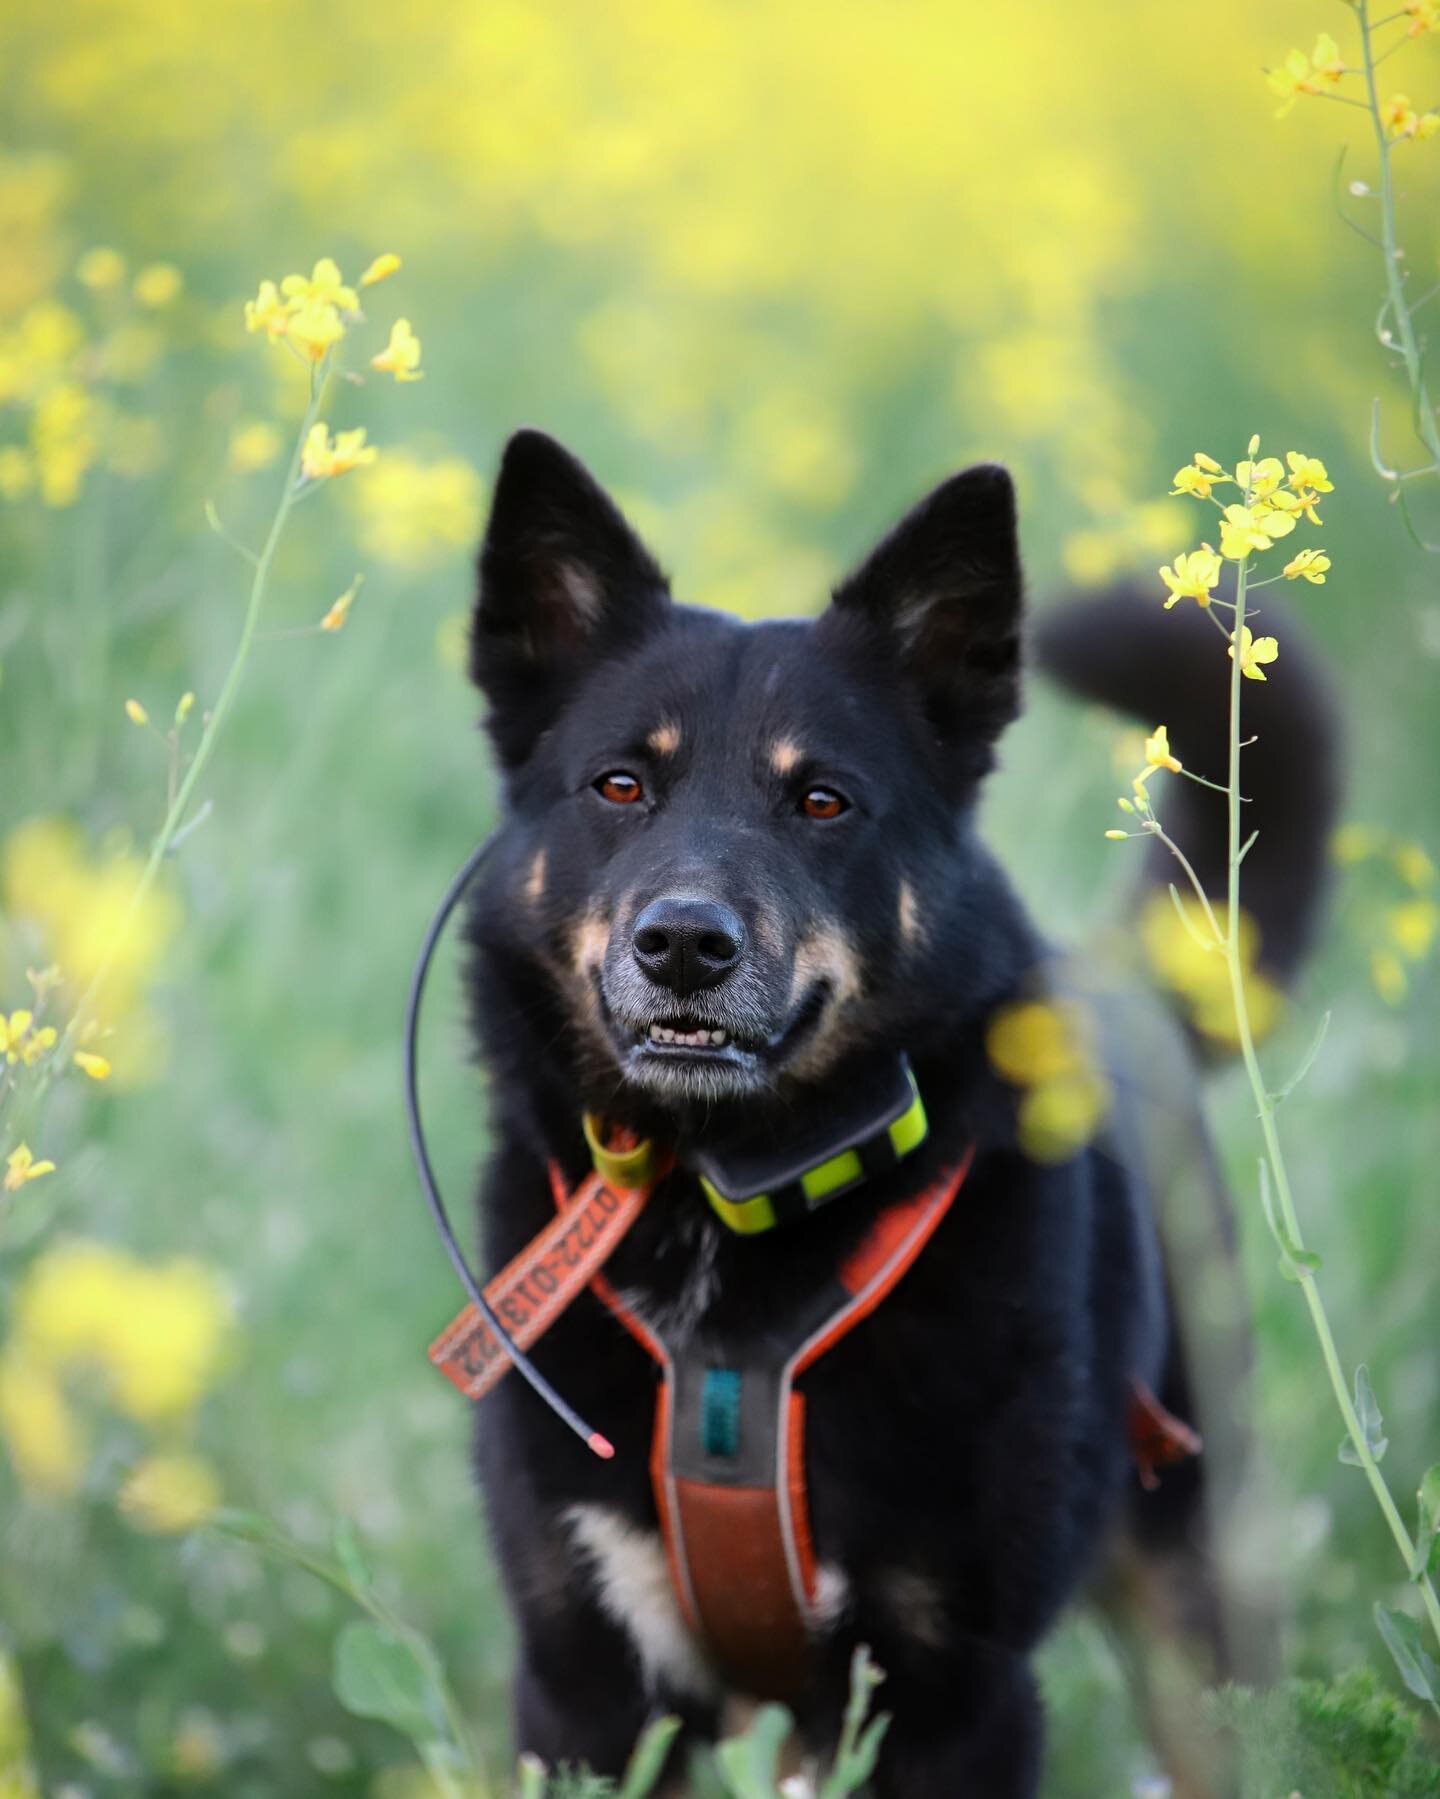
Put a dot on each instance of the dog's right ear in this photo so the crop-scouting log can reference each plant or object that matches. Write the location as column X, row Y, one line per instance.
column 564, row 581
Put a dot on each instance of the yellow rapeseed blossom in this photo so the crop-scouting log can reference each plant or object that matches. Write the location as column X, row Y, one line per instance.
column 1401, row 119
column 1198, row 476
column 267, row 311
column 21, row 1040
column 21, row 1167
column 1424, row 16
column 158, row 1333
column 1199, row 977
column 315, row 328
column 157, row 284
column 1308, row 472
column 1302, row 74
column 1193, row 577
column 401, row 356
column 322, row 458
column 40, row 1430
column 334, row 619
column 184, row 706
column 136, row 713
column 80, row 908
column 170, row 1491
column 254, row 445
column 1259, row 479
column 1411, row 927
column 1413, row 865
column 1253, row 651
column 1247, row 528
column 324, row 287
column 1308, row 565
column 1042, row 1047
column 1157, row 751
column 412, row 512
column 97, row 1067
column 381, row 269
column 100, row 268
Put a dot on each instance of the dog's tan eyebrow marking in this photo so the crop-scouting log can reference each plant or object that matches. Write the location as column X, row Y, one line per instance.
column 908, row 915
column 665, row 738
column 785, row 754
column 535, row 880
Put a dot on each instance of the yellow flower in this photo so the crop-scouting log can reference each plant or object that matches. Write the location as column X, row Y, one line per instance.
column 1118, row 836
column 100, row 268
column 1412, row 925
column 136, row 713
column 334, row 619
column 1388, row 973
column 1297, row 76
column 324, row 288
column 1424, row 16
column 1193, row 576
column 321, row 458
column 380, row 270
column 159, row 1333
column 1198, row 976
column 1326, row 57
column 21, row 1166
column 40, row 1430
column 1413, row 865
column 170, row 1492
column 316, row 328
column 1042, row 1047
column 1247, row 528
column 1401, row 119
column 1308, row 565
column 13, row 1031
column 1253, row 651
column 254, row 446
column 401, row 356
column 267, row 311
column 1260, row 478
column 1308, row 472
column 157, row 284
column 184, row 706
column 1197, row 479
column 1157, row 751
column 95, row 1066
column 414, row 512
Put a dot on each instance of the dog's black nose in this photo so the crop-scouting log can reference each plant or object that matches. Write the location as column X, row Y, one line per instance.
column 687, row 944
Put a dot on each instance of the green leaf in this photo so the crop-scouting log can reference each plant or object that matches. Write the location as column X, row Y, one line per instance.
column 1307, row 1062
column 1428, row 1525
column 750, row 1764
column 1295, row 1263
column 859, row 1744
column 1402, row 1639
column 377, row 1674
column 647, row 1763
column 351, row 1557
column 249, row 1527
column 1372, row 1425
column 532, row 1778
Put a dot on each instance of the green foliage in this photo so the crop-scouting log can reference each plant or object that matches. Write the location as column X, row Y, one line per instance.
column 1343, row 1740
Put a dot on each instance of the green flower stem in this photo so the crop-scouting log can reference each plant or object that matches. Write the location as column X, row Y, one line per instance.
column 1265, row 1109
column 1426, row 425
column 165, row 837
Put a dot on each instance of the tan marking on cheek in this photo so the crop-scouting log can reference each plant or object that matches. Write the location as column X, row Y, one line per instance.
column 785, row 756
column 535, row 880
column 826, row 955
column 588, row 942
column 665, row 738
column 908, row 915
column 769, row 933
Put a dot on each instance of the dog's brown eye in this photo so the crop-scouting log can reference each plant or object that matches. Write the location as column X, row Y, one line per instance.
column 619, row 788
column 823, row 802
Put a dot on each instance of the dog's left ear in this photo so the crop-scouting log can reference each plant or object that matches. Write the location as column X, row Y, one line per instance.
column 940, row 597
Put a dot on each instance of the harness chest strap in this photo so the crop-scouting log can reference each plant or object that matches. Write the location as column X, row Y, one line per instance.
column 728, row 1457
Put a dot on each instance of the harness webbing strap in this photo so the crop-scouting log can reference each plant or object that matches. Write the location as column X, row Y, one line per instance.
column 728, row 1458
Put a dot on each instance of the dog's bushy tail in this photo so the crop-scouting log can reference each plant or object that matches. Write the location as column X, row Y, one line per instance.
column 1125, row 650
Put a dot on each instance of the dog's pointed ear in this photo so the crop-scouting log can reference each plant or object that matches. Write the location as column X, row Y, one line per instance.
column 563, row 581
column 940, row 597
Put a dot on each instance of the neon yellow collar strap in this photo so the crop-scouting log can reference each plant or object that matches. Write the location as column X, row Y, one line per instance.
column 895, row 1128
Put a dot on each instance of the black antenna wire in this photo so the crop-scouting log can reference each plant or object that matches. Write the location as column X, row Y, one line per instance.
column 592, row 1438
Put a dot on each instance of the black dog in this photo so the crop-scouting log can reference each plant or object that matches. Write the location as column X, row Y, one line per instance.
column 737, row 881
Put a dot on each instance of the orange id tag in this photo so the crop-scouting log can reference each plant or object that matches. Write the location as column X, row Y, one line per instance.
column 531, row 1292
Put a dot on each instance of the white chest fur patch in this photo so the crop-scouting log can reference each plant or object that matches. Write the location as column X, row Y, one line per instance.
column 633, row 1583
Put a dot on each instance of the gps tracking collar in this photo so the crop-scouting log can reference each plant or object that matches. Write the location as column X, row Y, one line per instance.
column 750, row 1189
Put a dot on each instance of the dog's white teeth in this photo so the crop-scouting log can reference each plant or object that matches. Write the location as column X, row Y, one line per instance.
column 655, row 1033
column 668, row 1036
column 717, row 1038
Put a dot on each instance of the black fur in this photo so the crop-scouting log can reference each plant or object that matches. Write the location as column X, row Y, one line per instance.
column 966, row 1444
